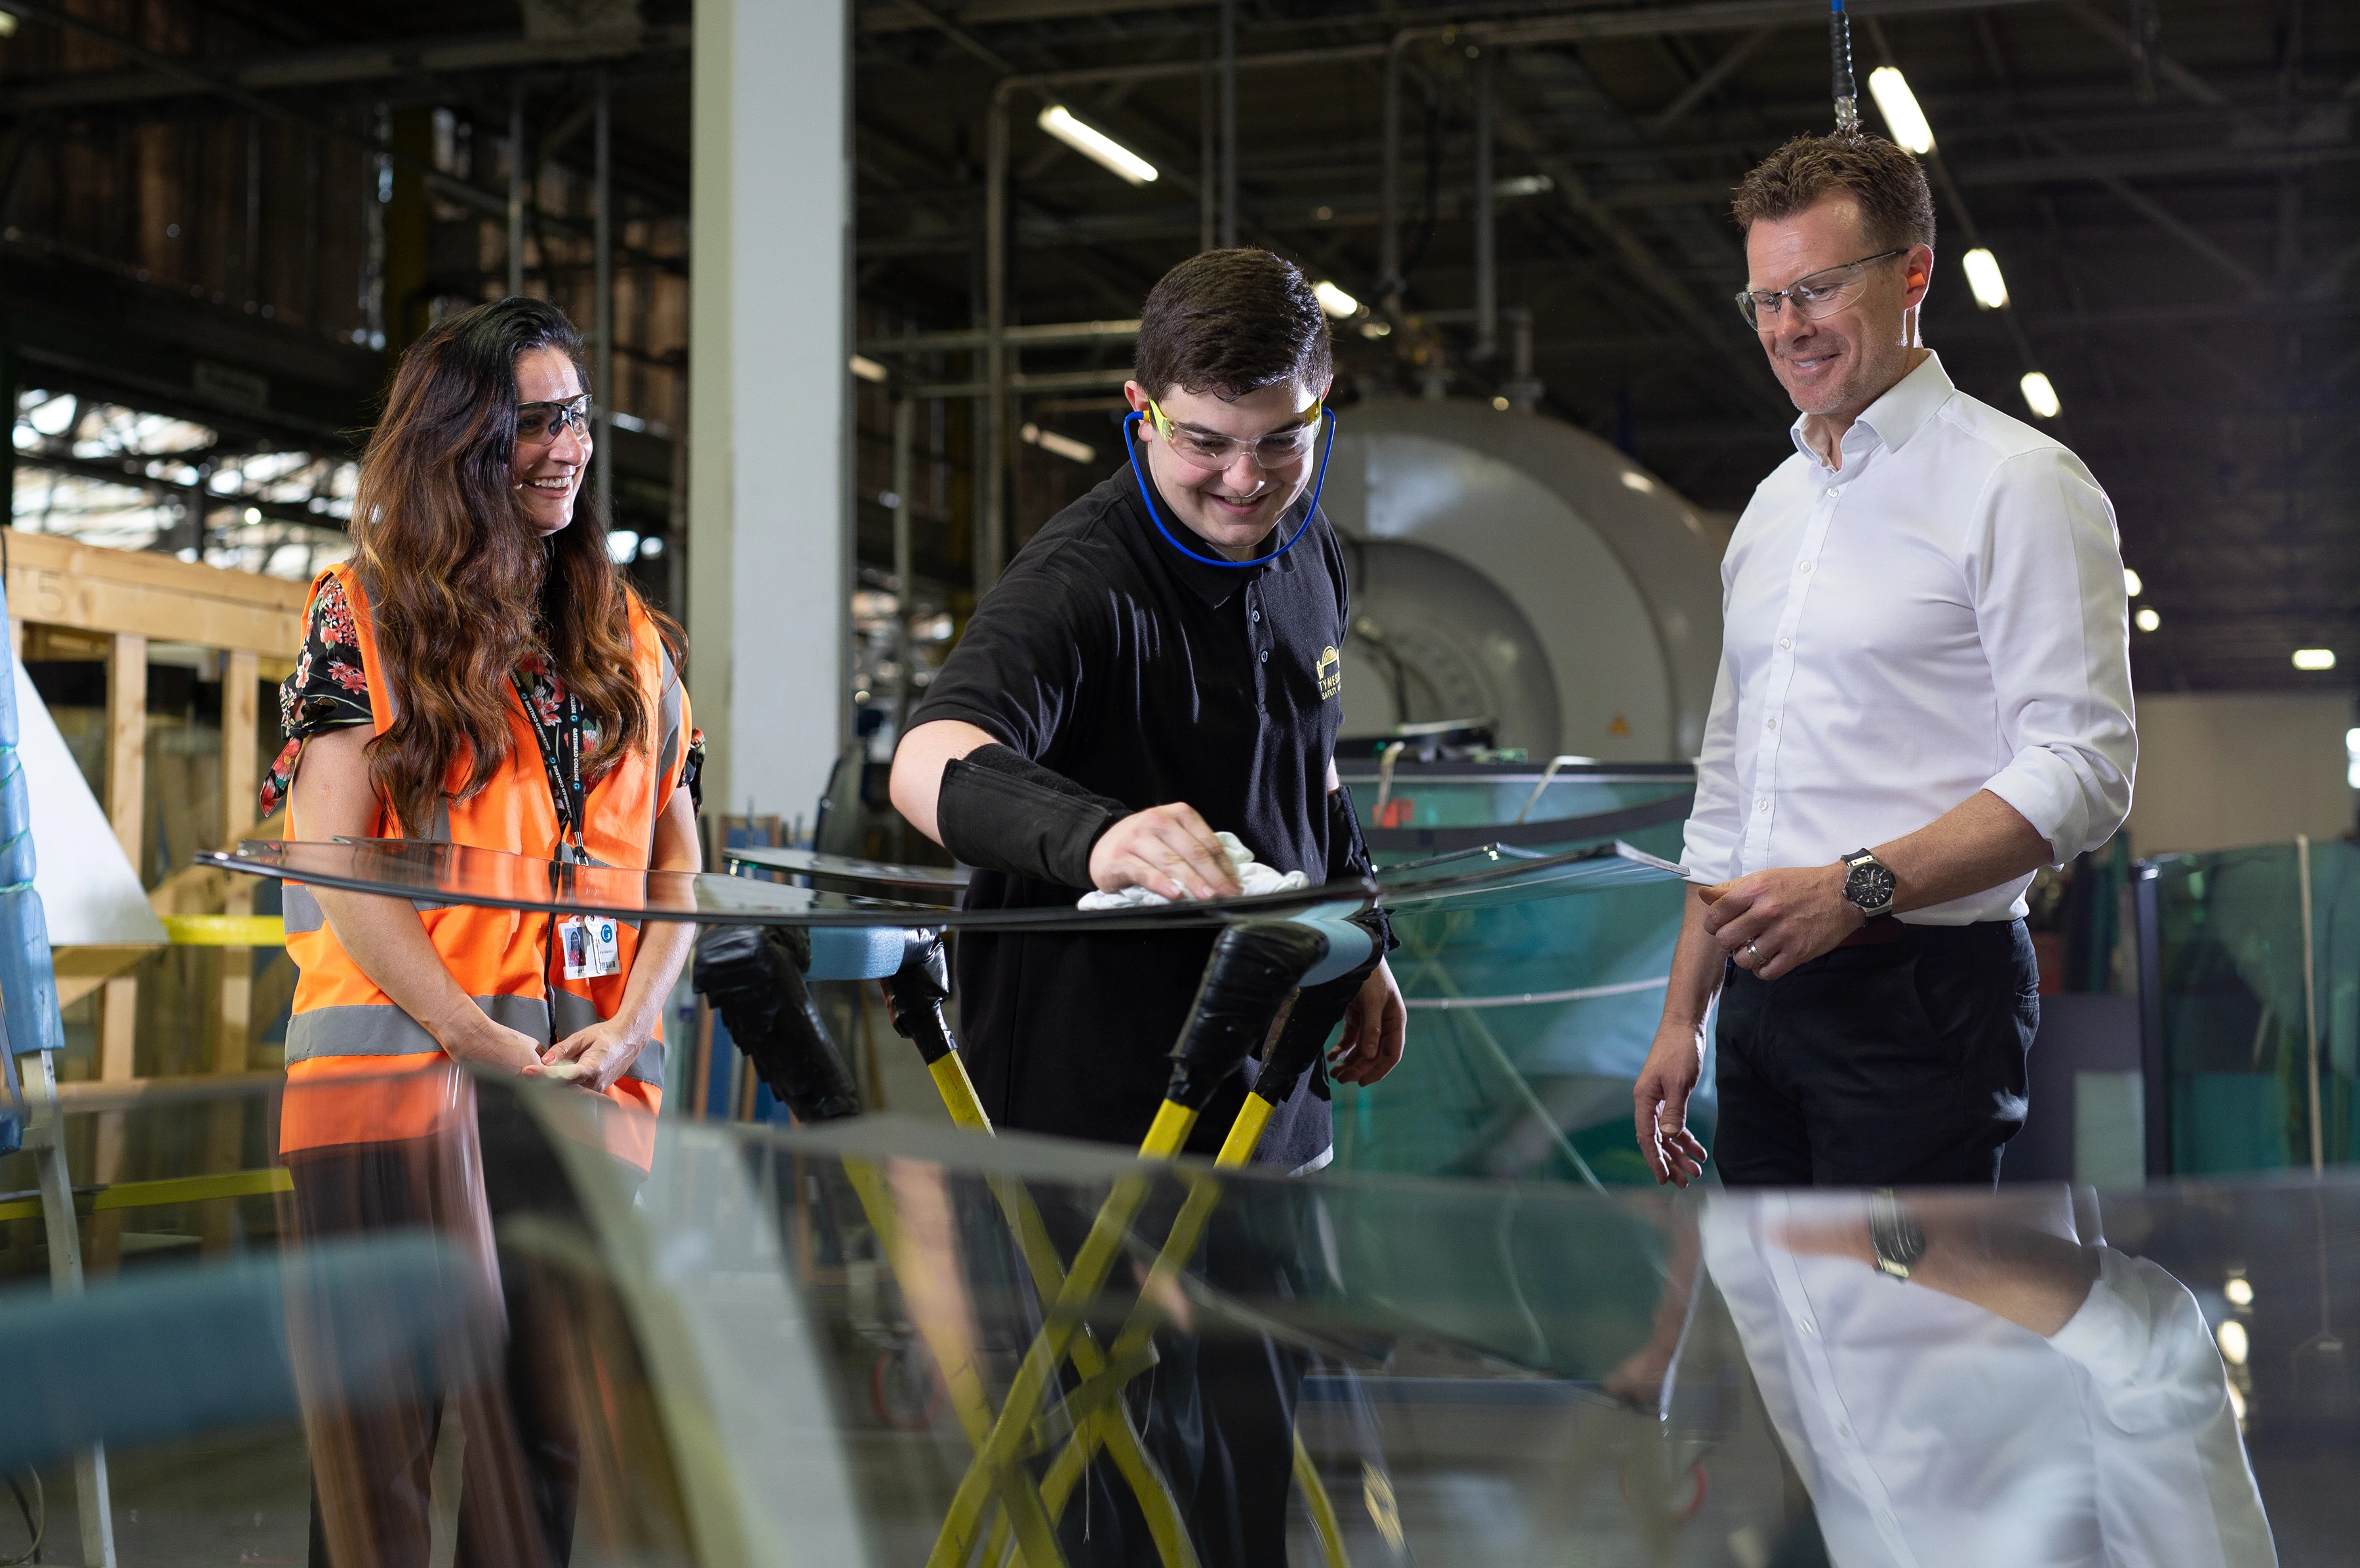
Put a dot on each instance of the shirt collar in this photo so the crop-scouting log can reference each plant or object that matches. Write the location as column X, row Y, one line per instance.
column 1892, row 419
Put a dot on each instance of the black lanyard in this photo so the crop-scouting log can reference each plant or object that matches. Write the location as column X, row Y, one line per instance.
column 560, row 756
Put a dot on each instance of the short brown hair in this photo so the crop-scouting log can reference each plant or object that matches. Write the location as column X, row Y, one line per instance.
column 1231, row 323
column 1896, row 208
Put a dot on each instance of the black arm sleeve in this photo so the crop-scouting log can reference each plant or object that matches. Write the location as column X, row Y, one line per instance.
column 1001, row 812
column 1348, row 856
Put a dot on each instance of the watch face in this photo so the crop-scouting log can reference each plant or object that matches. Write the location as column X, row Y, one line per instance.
column 1869, row 885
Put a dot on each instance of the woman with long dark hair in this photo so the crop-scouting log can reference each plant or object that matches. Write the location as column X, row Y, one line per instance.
column 476, row 674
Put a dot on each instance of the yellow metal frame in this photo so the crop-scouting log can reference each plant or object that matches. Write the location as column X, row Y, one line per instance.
column 1100, row 1417
column 173, row 1189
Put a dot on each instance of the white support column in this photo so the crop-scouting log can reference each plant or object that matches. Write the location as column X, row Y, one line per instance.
column 769, row 505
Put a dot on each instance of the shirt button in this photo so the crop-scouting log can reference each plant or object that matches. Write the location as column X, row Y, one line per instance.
column 1834, row 491
column 1807, row 1325
column 1761, row 805
column 1265, row 656
column 1804, row 566
column 1769, row 723
column 1786, row 642
column 1253, row 614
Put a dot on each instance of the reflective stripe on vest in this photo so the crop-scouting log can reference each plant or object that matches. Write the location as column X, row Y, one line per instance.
column 342, row 1024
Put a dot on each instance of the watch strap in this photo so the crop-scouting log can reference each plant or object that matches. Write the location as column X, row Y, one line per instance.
column 1895, row 1236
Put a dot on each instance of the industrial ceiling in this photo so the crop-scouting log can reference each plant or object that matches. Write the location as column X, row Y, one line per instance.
column 2167, row 185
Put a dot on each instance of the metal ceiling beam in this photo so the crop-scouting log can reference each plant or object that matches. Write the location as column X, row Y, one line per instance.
column 899, row 16
column 1720, row 71
column 312, row 68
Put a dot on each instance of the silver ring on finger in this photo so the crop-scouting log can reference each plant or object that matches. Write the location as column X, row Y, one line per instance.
column 1757, row 952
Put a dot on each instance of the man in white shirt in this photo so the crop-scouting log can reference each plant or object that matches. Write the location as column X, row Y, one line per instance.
column 1924, row 696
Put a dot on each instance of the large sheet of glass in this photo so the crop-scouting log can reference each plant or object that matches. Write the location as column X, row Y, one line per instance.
column 457, row 873
column 790, row 1349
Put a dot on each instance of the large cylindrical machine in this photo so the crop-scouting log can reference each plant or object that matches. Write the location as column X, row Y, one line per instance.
column 1511, row 567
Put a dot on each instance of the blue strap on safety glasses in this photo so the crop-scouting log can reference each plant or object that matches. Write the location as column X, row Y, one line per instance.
column 1147, row 496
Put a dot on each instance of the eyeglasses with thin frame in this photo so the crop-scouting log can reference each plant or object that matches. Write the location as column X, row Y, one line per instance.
column 1823, row 293
column 1204, row 449
column 536, row 424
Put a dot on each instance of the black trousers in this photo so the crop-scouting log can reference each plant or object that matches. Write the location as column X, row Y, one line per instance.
column 1216, row 1412
column 1900, row 1063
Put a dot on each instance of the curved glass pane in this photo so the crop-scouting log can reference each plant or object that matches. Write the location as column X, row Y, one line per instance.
column 730, row 1344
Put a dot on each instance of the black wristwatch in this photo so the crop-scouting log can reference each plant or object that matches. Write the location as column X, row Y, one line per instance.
column 1868, row 884
column 1893, row 1236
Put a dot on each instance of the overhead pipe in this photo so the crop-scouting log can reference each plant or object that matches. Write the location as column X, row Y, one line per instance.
column 1208, row 159
column 993, row 544
column 1487, row 248
column 1229, row 124
column 1031, row 335
column 516, row 188
column 905, row 432
column 603, row 290
column 1523, row 389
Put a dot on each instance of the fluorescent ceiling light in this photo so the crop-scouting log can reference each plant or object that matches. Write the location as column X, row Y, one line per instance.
column 1064, row 446
column 1515, row 185
column 2148, row 619
column 2240, row 1291
column 2314, row 659
column 2131, row 583
column 1902, row 115
column 1334, row 300
column 1095, row 145
column 1634, row 479
column 2039, row 396
column 867, row 368
column 1984, row 280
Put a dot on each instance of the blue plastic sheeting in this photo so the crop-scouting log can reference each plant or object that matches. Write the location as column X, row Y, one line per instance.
column 842, row 953
column 29, row 992
column 176, row 1350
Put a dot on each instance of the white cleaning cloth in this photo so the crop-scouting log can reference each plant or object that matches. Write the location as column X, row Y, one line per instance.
column 1253, row 877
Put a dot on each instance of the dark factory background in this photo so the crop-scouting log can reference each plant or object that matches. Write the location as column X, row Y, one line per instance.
column 220, row 219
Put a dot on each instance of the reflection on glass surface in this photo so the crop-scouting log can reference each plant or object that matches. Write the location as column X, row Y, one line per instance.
column 791, row 1348
column 2022, row 1396
column 431, row 872
column 448, row 873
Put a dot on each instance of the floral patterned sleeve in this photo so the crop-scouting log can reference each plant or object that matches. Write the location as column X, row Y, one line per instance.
column 328, row 689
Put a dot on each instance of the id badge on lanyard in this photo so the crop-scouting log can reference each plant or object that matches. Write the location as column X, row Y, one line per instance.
column 586, row 943
column 589, row 946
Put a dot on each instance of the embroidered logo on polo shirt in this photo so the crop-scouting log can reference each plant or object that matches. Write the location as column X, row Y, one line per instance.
column 1330, row 670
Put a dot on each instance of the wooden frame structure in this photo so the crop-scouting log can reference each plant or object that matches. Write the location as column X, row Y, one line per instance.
column 83, row 601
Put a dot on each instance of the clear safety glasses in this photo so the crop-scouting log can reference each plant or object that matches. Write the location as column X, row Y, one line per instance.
column 536, row 424
column 1206, row 450
column 1823, row 293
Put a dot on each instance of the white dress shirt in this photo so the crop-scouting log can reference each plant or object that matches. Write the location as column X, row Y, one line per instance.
column 1934, row 1434
column 1943, row 615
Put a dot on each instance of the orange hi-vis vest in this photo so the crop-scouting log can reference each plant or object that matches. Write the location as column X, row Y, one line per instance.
column 361, row 1071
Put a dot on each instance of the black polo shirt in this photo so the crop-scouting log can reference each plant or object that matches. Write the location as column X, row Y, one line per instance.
column 1105, row 654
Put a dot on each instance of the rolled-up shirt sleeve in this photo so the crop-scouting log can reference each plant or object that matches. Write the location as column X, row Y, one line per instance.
column 2173, row 1483
column 2055, row 622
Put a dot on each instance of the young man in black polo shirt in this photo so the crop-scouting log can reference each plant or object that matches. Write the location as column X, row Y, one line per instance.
column 1158, row 663
column 1180, row 695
